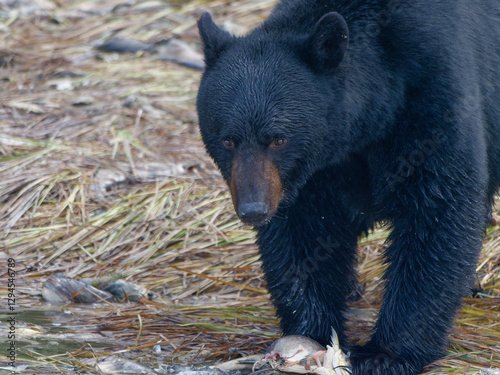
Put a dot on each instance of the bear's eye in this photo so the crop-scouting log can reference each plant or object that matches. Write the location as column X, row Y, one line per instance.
column 228, row 143
column 278, row 142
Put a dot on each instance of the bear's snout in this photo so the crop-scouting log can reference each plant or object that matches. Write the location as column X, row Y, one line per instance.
column 256, row 188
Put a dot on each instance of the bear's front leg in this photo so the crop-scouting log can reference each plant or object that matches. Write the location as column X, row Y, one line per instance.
column 435, row 243
column 308, row 256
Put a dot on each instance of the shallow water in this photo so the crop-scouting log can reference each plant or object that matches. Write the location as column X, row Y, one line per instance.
column 41, row 333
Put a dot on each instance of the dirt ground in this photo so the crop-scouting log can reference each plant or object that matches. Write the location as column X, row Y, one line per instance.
column 103, row 176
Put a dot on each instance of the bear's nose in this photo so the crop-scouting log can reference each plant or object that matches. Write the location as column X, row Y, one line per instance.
column 254, row 213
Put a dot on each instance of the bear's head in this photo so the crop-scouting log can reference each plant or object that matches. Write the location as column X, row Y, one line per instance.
column 265, row 106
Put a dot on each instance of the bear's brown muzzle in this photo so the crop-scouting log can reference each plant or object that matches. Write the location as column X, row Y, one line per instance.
column 255, row 187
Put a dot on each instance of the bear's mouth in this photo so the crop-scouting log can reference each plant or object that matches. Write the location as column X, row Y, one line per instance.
column 256, row 188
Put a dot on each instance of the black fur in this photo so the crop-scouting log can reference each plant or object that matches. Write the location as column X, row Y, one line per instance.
column 401, row 122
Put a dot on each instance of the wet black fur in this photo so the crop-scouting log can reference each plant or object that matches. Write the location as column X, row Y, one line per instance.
column 406, row 129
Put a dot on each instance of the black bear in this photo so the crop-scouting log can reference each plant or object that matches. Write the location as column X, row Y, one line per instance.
column 336, row 114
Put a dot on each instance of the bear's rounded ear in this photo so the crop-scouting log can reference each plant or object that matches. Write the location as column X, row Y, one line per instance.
column 329, row 41
column 214, row 39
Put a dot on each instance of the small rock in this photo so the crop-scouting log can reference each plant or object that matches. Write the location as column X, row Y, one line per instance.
column 84, row 100
column 123, row 44
column 64, row 290
column 61, row 84
column 105, row 179
column 117, row 365
column 180, row 52
column 125, row 290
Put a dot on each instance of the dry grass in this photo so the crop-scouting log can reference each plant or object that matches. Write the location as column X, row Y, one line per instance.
column 177, row 235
